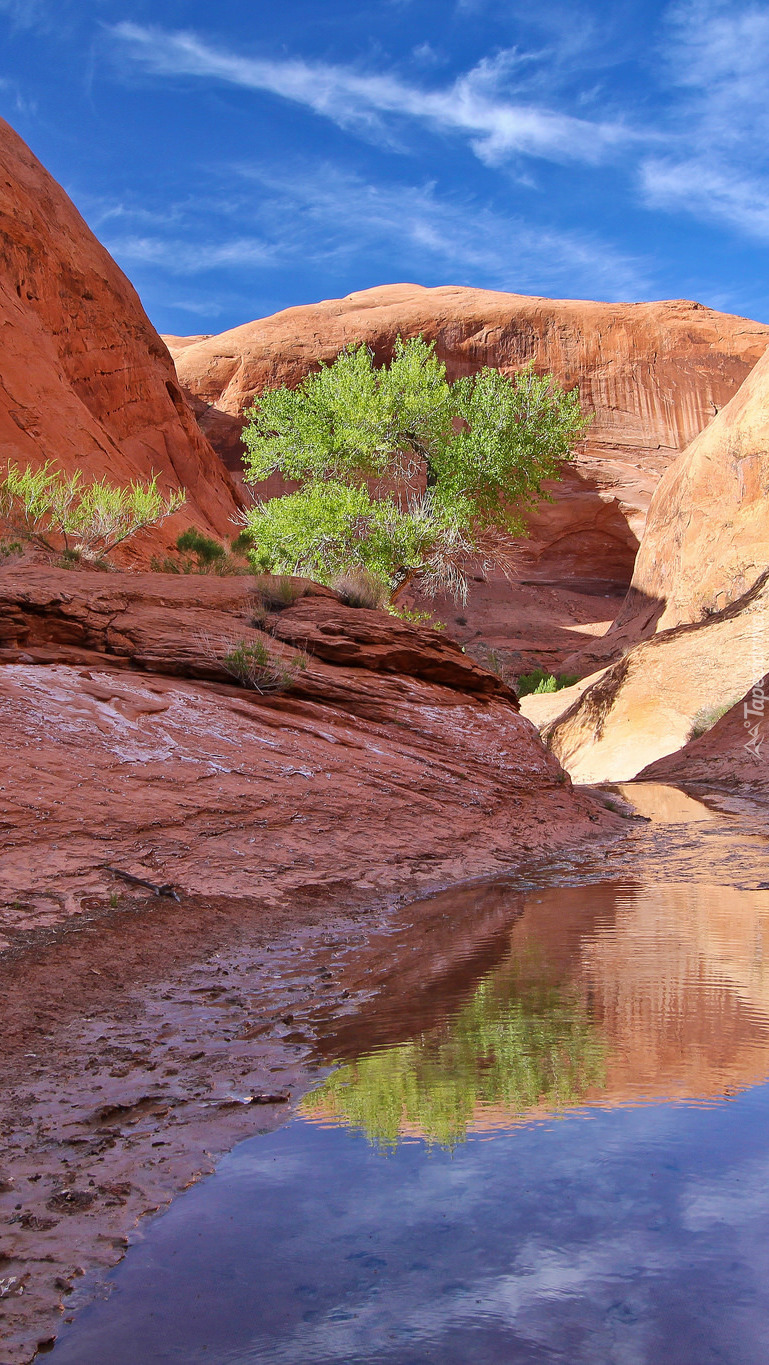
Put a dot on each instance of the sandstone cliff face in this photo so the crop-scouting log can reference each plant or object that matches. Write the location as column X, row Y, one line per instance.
column 707, row 536
column 734, row 754
column 645, row 706
column 85, row 380
column 654, row 374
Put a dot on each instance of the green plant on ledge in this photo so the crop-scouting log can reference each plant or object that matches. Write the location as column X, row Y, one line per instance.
column 253, row 664
column 62, row 514
column 539, row 682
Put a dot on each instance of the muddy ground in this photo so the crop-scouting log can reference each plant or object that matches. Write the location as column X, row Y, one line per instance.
column 143, row 1040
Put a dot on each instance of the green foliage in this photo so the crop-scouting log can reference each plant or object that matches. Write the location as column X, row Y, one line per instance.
column 59, row 511
column 537, row 1049
column 205, row 550
column 461, row 461
column 10, row 549
column 708, row 716
column 326, row 529
column 417, row 618
column 255, row 665
column 540, row 681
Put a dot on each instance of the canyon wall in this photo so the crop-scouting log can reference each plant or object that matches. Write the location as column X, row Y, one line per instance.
column 652, row 701
column 707, row 535
column 85, row 380
column 654, row 374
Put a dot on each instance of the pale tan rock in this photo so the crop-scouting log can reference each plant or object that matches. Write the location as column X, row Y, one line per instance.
column 645, row 706
column 733, row 754
column 707, row 536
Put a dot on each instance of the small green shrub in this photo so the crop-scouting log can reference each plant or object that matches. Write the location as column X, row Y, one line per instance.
column 707, row 717
column 254, row 665
column 539, row 682
column 60, row 513
column 417, row 618
column 206, row 551
column 167, row 564
column 362, row 588
column 491, row 659
column 10, row 549
column 497, row 665
column 76, row 559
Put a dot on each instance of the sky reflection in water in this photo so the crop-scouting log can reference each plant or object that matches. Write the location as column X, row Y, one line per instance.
column 564, row 1160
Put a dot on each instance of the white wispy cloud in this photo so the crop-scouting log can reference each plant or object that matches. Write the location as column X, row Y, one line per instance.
column 24, row 13
column 188, row 257
column 322, row 211
column 472, row 106
column 710, row 191
column 716, row 61
column 329, row 217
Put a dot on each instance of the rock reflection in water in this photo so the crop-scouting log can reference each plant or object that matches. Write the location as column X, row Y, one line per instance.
column 603, row 996
column 579, row 1223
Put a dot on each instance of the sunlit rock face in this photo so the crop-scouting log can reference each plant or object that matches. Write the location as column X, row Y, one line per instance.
column 86, row 381
column 654, row 375
column 602, row 995
column 732, row 753
column 651, row 703
column 708, row 528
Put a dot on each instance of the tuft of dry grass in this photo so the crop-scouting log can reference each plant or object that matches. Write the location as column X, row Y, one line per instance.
column 362, row 588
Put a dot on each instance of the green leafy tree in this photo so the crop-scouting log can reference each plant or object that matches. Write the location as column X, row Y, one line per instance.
column 58, row 511
column 402, row 473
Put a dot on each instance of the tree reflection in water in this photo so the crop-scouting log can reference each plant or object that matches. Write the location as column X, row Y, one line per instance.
column 514, row 1046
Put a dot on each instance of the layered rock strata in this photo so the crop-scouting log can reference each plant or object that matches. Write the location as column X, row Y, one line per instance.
column 733, row 754
column 392, row 761
column 647, row 705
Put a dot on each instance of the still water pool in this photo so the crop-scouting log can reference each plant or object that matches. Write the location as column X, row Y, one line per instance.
column 559, row 1152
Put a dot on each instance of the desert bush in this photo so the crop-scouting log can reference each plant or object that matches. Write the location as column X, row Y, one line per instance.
column 205, row 550
column 276, row 592
column 10, row 549
column 417, row 618
column 61, row 513
column 493, row 660
column 707, row 717
column 539, row 682
column 361, row 588
column 253, row 664
column 458, row 464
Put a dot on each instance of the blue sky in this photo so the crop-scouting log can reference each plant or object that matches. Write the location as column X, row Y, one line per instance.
column 240, row 158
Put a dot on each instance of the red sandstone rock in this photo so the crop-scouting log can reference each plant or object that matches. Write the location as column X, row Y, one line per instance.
column 86, row 381
column 393, row 762
column 707, row 536
column 707, row 533
column 653, row 373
